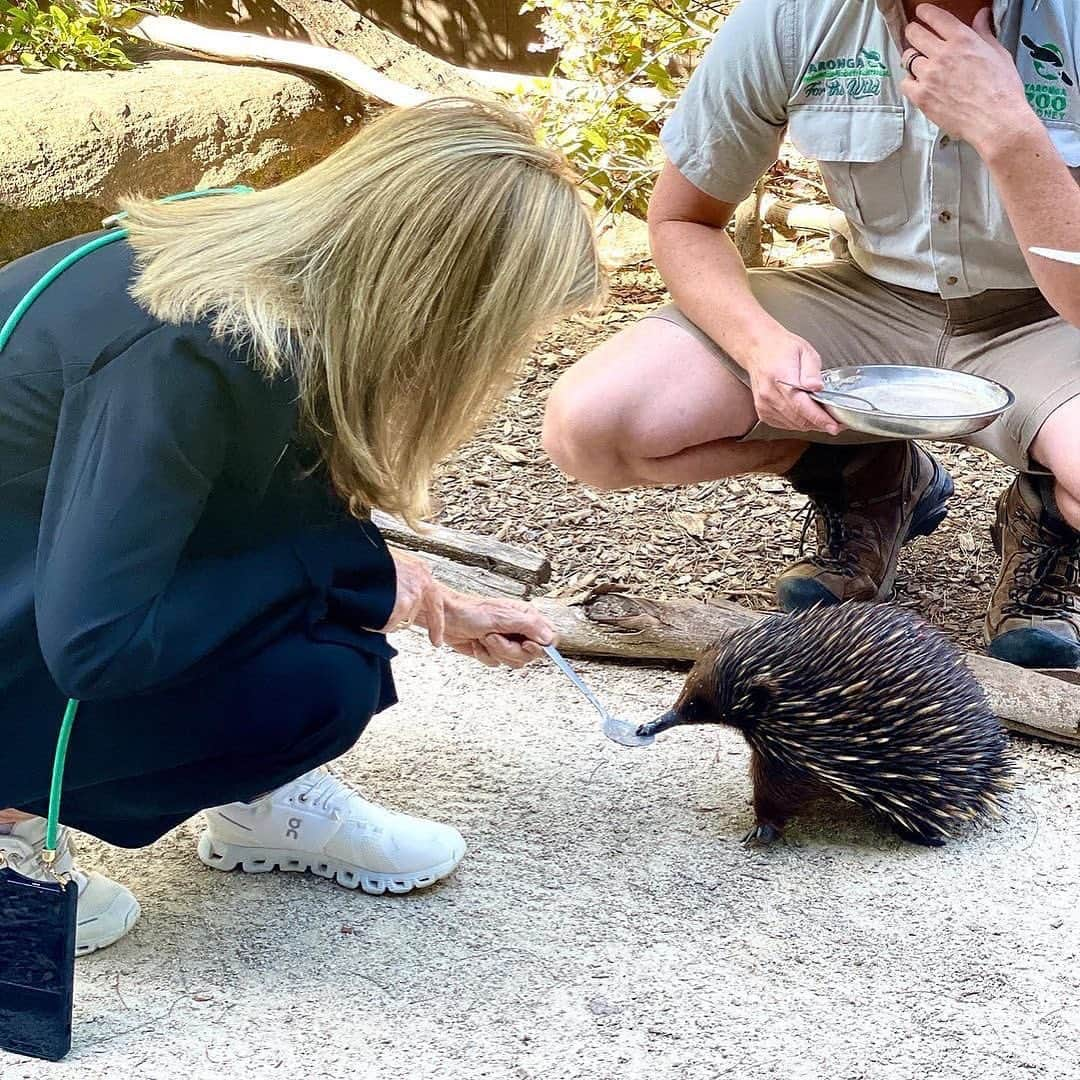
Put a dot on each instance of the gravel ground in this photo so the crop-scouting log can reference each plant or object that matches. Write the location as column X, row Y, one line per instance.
column 606, row 924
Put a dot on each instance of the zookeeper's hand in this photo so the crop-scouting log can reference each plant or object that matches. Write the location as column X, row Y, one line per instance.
column 420, row 599
column 780, row 365
column 496, row 631
column 962, row 78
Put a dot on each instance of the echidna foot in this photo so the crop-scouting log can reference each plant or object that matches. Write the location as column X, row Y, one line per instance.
column 923, row 839
column 762, row 834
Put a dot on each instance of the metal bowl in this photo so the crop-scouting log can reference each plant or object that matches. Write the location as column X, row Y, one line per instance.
column 914, row 402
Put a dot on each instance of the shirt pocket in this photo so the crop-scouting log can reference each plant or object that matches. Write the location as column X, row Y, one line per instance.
column 1066, row 138
column 858, row 150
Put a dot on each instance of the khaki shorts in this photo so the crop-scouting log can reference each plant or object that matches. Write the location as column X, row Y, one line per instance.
column 1011, row 336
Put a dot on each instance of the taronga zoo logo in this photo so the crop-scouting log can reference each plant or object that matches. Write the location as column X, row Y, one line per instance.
column 1049, row 102
column 854, row 77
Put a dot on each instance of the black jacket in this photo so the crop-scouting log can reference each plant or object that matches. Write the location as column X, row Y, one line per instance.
column 155, row 516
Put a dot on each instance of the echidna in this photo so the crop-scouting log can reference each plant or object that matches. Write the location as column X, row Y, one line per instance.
column 863, row 700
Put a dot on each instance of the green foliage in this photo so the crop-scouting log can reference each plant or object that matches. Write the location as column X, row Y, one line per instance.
column 67, row 35
column 626, row 62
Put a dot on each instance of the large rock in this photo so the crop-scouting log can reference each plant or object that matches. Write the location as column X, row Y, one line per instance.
column 74, row 142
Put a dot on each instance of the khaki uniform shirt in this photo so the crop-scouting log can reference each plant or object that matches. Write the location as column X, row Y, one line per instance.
column 921, row 207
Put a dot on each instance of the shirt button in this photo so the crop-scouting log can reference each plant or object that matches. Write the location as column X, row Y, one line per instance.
column 952, row 279
column 945, row 140
column 944, row 217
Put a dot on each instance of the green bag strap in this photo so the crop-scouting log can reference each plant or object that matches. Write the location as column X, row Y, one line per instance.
column 52, row 824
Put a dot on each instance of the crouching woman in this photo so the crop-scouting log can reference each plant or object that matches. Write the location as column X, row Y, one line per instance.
column 194, row 424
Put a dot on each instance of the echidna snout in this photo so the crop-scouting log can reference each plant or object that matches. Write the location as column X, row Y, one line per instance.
column 700, row 701
column 667, row 720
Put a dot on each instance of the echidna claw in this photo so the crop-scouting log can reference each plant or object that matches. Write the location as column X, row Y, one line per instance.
column 761, row 834
column 922, row 839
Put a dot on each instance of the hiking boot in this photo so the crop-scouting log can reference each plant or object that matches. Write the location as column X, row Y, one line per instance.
column 1034, row 615
column 866, row 502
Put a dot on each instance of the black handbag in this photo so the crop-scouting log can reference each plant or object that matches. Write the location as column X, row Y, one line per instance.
column 37, row 941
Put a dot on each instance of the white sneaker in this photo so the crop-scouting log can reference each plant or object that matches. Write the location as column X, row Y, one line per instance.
column 320, row 824
column 106, row 912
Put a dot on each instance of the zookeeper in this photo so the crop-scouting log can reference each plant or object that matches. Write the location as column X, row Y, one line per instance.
column 187, row 419
column 949, row 137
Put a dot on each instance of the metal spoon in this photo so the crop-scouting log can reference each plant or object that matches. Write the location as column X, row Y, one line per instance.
column 816, row 394
column 1058, row 256
column 620, row 731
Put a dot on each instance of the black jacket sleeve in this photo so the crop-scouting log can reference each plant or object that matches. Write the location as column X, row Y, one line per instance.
column 120, row 609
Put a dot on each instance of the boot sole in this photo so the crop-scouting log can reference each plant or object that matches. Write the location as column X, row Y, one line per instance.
column 1033, row 648
column 253, row 860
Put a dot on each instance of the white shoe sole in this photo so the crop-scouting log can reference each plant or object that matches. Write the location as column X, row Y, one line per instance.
column 89, row 938
column 253, row 860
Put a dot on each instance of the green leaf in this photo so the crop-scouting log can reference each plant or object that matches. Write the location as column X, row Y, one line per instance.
column 595, row 138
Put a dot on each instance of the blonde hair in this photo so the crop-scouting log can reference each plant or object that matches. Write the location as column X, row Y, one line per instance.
column 402, row 280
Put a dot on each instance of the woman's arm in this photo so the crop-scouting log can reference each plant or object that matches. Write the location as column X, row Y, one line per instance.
column 492, row 630
column 139, row 446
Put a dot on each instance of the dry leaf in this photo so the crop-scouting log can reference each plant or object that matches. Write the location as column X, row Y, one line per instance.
column 510, row 454
column 692, row 523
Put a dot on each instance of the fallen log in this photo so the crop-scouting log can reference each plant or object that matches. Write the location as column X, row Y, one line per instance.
column 237, row 47
column 616, row 624
column 811, row 217
column 472, row 579
column 489, row 554
column 621, row 626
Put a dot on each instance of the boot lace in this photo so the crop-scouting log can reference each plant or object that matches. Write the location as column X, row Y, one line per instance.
column 837, row 555
column 1047, row 581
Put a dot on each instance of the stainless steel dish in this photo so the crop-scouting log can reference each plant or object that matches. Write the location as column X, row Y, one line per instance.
column 913, row 402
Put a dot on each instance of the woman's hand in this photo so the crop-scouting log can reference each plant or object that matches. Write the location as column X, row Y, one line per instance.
column 782, row 368
column 420, row 599
column 493, row 631
column 496, row 631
